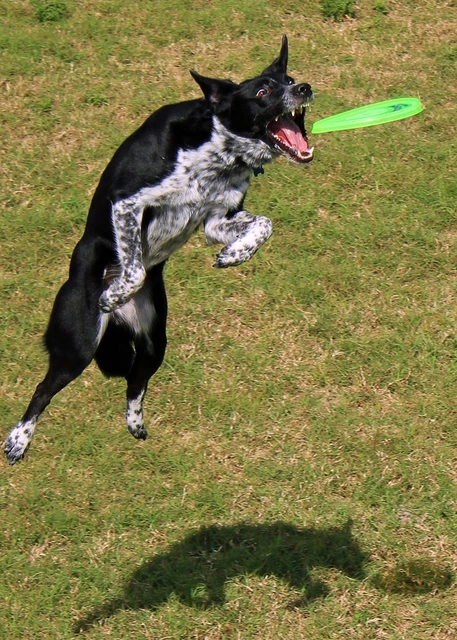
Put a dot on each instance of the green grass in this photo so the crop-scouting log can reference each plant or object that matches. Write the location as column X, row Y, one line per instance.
column 338, row 9
column 299, row 480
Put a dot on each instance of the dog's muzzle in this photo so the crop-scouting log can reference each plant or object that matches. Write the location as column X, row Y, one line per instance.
column 287, row 130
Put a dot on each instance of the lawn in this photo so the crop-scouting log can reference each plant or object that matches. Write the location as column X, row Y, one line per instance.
column 299, row 479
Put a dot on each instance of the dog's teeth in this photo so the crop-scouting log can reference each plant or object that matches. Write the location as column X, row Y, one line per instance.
column 277, row 118
column 293, row 113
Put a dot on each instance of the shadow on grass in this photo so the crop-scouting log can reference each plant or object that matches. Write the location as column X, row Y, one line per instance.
column 196, row 569
column 414, row 577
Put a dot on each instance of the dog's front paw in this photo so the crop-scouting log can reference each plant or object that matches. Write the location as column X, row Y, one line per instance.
column 122, row 289
column 110, row 300
column 114, row 297
column 230, row 257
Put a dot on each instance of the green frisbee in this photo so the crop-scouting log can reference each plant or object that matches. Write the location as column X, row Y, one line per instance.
column 371, row 114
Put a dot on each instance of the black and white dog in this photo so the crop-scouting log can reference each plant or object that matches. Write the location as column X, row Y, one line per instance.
column 189, row 164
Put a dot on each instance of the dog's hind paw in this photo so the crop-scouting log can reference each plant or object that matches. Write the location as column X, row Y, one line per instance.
column 16, row 445
column 140, row 433
column 134, row 416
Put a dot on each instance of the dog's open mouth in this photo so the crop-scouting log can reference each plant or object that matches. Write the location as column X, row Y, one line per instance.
column 288, row 134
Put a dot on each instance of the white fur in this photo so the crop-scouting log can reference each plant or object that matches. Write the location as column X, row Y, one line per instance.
column 134, row 416
column 19, row 439
column 206, row 183
column 137, row 318
column 103, row 323
column 243, row 235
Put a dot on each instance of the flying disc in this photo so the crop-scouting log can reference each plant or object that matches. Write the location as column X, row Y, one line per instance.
column 369, row 115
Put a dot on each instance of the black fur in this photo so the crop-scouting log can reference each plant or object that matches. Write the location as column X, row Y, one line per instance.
column 188, row 164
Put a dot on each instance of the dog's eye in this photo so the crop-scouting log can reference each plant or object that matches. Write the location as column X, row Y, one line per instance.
column 262, row 92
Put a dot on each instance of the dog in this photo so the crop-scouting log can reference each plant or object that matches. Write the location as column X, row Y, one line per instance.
column 189, row 164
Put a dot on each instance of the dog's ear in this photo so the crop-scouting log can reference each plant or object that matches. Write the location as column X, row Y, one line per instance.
column 279, row 66
column 215, row 91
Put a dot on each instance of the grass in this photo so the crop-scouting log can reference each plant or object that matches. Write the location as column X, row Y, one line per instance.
column 299, row 480
column 338, row 9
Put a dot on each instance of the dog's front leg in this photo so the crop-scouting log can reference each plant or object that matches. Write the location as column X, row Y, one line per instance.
column 126, row 219
column 242, row 234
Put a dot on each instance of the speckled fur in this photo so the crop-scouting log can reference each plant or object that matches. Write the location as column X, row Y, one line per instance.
column 188, row 165
column 205, row 185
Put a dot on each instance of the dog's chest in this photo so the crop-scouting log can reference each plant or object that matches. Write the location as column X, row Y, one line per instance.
column 201, row 185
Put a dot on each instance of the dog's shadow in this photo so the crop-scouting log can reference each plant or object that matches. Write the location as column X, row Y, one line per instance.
column 196, row 569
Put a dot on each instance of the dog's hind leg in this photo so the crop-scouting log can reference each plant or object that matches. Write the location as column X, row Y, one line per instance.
column 150, row 344
column 21, row 436
column 70, row 340
column 146, row 364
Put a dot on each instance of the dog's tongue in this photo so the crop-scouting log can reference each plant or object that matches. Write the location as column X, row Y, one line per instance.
column 288, row 132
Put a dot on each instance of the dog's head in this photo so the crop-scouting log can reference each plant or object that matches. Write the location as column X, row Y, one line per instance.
column 270, row 108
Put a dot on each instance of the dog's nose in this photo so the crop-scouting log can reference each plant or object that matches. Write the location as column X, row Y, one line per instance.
column 304, row 90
